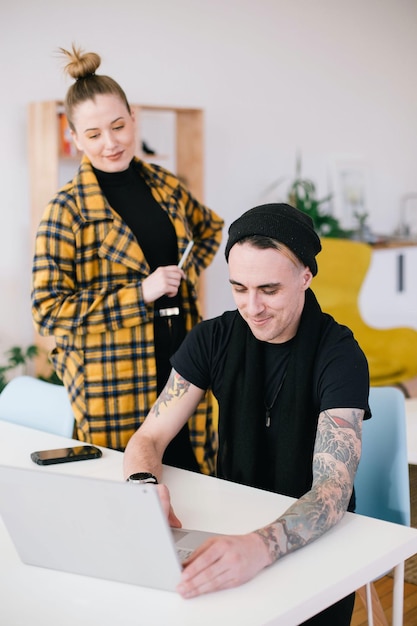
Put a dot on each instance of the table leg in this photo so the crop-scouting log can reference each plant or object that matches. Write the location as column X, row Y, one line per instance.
column 398, row 595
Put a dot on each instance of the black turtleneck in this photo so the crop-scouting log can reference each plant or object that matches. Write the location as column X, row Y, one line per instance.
column 129, row 195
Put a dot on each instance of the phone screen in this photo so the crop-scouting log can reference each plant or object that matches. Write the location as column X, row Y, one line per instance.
column 65, row 455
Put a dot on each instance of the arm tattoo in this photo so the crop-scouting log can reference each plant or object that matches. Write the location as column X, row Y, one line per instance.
column 289, row 540
column 336, row 457
column 338, row 438
column 175, row 388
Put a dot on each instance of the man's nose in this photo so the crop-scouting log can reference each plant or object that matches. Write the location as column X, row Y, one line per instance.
column 254, row 304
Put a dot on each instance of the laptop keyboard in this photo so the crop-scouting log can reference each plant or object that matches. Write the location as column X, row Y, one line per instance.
column 183, row 554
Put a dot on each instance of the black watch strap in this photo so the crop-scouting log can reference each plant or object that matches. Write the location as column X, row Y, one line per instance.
column 143, row 478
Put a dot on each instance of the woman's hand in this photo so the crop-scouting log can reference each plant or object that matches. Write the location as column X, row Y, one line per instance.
column 164, row 281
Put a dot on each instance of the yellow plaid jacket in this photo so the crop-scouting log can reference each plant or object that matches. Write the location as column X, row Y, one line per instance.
column 86, row 292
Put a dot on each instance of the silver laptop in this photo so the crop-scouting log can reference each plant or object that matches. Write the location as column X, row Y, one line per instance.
column 101, row 528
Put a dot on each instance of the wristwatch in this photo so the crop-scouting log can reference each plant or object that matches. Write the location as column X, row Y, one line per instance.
column 143, row 478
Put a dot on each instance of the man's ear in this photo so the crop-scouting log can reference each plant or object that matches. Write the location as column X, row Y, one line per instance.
column 307, row 277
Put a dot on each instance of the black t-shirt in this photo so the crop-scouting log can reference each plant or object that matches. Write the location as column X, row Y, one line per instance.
column 340, row 376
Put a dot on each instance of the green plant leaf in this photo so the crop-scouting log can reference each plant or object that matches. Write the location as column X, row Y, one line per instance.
column 302, row 195
column 17, row 356
column 32, row 351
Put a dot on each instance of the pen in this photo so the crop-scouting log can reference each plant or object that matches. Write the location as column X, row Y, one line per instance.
column 186, row 253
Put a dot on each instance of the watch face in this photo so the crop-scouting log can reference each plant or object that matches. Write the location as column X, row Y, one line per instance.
column 143, row 477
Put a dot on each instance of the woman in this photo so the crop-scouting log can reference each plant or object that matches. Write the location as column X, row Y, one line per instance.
column 106, row 281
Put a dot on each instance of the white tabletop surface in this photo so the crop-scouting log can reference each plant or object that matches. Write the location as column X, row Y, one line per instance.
column 357, row 550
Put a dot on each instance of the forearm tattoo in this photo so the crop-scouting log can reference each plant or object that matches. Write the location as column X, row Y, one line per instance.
column 279, row 543
column 175, row 388
column 336, row 457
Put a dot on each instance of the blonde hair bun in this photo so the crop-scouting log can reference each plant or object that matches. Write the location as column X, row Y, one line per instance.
column 81, row 64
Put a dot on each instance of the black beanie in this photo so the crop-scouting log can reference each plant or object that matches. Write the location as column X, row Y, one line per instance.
column 283, row 223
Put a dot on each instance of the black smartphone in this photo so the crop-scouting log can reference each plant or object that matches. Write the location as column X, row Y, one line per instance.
column 65, row 455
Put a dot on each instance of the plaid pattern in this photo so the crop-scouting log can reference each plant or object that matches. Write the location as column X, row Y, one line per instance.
column 87, row 274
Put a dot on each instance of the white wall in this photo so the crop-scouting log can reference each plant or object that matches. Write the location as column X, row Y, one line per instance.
column 325, row 77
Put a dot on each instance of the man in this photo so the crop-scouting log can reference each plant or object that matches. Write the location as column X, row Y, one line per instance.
column 292, row 387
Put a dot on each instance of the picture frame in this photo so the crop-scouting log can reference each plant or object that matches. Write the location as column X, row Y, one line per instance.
column 350, row 185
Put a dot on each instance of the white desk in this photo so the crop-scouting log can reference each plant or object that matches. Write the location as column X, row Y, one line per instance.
column 357, row 550
column 411, row 413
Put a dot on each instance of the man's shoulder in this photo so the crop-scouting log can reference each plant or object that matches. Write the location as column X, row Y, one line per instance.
column 339, row 338
column 213, row 332
column 332, row 328
column 220, row 322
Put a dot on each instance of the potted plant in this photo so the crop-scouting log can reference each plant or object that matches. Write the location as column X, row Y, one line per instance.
column 302, row 195
column 20, row 357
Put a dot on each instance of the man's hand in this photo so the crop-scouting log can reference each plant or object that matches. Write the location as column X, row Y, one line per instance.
column 165, row 498
column 223, row 563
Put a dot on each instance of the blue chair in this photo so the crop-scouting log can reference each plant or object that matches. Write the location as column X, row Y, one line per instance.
column 382, row 481
column 37, row 404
